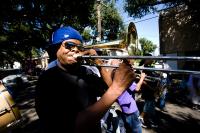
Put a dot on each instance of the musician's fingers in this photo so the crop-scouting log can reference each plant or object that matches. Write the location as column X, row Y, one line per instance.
column 126, row 61
column 115, row 62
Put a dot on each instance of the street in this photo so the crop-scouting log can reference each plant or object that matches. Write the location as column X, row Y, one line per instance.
column 178, row 118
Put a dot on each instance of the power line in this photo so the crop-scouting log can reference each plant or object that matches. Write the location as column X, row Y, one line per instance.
column 142, row 20
column 146, row 19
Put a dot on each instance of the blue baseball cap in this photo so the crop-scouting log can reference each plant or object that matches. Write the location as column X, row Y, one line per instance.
column 65, row 33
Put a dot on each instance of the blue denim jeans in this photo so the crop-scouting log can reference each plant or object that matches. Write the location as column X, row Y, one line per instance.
column 149, row 107
column 132, row 122
column 162, row 99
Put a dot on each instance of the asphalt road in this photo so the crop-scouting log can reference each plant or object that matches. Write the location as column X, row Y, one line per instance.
column 178, row 118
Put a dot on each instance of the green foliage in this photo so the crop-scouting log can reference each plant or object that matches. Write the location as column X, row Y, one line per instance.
column 35, row 53
column 134, row 51
column 140, row 8
column 147, row 46
column 27, row 24
column 111, row 20
column 3, row 38
column 86, row 35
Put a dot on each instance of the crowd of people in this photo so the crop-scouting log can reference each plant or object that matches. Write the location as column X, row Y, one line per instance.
column 67, row 91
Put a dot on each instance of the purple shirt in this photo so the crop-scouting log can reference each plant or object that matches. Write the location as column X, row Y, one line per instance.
column 126, row 100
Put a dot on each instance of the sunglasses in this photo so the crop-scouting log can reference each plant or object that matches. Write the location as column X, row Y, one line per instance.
column 71, row 45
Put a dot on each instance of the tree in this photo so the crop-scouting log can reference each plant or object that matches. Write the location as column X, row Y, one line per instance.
column 111, row 20
column 133, row 51
column 86, row 34
column 26, row 24
column 147, row 46
column 140, row 8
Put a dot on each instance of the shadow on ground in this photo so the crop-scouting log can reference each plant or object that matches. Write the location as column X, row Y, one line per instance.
column 178, row 118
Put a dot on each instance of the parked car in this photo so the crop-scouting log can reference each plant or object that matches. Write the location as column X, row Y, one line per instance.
column 15, row 83
column 12, row 79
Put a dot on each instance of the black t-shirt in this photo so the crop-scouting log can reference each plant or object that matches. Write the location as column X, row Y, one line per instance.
column 148, row 91
column 61, row 95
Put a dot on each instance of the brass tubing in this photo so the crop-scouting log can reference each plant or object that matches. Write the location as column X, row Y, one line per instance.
column 185, row 58
column 156, row 69
column 168, row 70
column 149, row 78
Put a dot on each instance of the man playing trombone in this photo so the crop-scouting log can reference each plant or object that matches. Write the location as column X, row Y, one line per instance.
column 66, row 93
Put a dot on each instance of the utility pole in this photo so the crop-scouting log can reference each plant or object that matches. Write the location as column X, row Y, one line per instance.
column 99, row 20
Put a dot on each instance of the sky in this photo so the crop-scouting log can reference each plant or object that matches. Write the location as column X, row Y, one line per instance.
column 147, row 27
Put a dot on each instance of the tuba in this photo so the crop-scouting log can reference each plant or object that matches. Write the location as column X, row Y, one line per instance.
column 126, row 46
column 132, row 39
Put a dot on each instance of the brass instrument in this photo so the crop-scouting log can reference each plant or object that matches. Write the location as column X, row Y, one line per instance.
column 88, row 57
column 131, row 38
column 119, row 50
column 185, row 58
column 119, row 44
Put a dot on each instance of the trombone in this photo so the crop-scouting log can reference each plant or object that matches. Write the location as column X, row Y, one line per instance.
column 185, row 58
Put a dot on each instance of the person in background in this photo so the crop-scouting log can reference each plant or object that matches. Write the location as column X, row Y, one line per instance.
column 130, row 113
column 148, row 91
column 66, row 94
column 193, row 86
column 111, row 122
column 163, row 85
